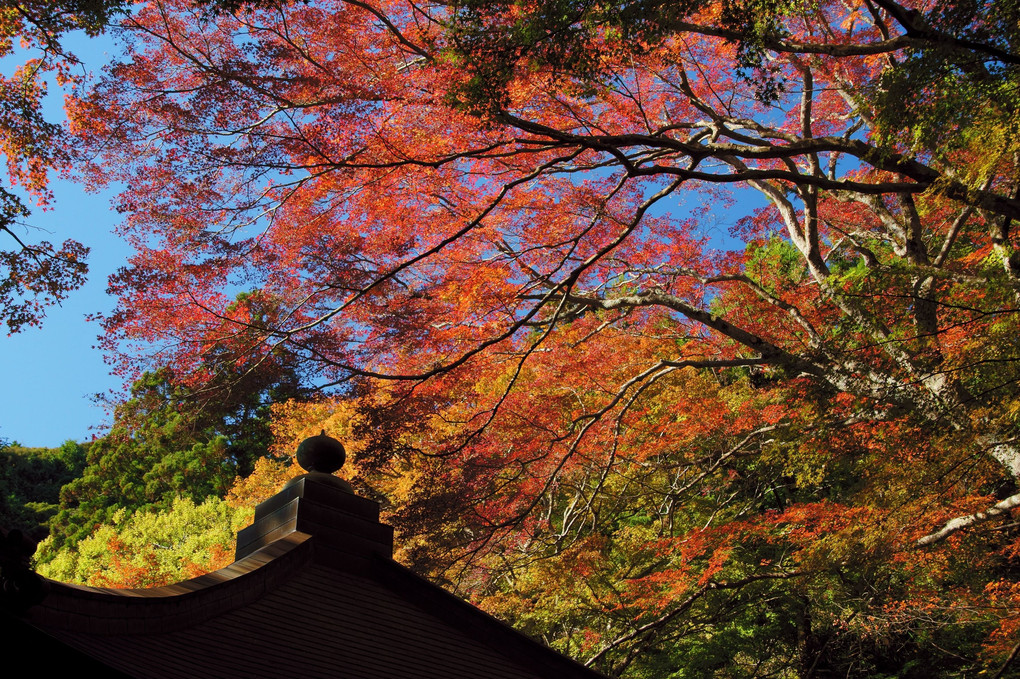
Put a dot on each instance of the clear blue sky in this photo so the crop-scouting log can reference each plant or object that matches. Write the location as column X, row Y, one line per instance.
column 50, row 372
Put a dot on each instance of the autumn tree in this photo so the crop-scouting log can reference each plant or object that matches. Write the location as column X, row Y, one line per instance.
column 504, row 209
column 34, row 37
column 37, row 274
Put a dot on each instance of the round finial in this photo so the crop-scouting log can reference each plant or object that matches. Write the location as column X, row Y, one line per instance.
column 321, row 453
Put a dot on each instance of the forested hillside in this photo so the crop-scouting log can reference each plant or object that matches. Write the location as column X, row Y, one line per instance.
column 680, row 335
column 30, row 483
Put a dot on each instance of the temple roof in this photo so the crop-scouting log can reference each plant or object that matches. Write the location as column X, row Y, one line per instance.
column 314, row 593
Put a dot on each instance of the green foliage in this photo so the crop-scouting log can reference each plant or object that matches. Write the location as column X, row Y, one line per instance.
column 165, row 444
column 958, row 85
column 573, row 38
column 152, row 547
column 30, row 482
column 774, row 263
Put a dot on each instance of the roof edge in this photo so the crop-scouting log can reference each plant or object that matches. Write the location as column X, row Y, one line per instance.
column 103, row 610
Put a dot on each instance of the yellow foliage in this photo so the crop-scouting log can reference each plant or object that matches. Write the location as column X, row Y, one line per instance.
column 267, row 479
column 292, row 422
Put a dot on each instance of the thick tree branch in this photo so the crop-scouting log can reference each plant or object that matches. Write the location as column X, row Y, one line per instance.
column 923, row 177
column 959, row 523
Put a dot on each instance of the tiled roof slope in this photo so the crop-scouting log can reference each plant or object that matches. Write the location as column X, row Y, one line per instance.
column 314, row 594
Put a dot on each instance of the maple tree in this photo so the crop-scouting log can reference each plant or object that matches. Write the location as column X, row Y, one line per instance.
column 37, row 274
column 33, row 39
column 502, row 209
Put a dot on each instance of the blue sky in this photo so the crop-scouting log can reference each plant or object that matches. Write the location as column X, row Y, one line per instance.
column 50, row 372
